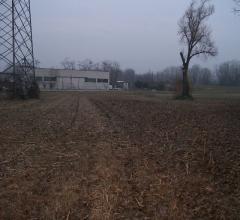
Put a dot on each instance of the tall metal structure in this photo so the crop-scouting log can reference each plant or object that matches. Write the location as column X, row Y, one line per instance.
column 16, row 42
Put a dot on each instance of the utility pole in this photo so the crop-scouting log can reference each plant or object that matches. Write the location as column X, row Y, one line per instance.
column 16, row 43
column 13, row 49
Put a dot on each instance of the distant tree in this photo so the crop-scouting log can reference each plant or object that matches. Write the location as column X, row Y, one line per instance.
column 228, row 73
column 149, row 81
column 114, row 69
column 194, row 74
column 206, row 77
column 97, row 66
column 106, row 66
column 200, row 76
column 141, row 84
column 129, row 77
column 68, row 64
column 196, row 35
column 86, row 65
column 169, row 75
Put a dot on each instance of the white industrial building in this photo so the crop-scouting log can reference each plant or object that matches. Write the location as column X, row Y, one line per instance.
column 61, row 79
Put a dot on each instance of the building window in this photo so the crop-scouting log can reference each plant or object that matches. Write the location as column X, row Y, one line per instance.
column 50, row 79
column 93, row 80
column 102, row 80
column 38, row 78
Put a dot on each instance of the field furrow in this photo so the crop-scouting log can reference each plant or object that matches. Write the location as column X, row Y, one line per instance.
column 119, row 156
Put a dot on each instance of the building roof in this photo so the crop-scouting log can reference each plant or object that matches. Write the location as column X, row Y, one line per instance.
column 70, row 73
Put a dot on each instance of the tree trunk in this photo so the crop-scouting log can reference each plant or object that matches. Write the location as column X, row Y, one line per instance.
column 185, row 81
column 185, row 85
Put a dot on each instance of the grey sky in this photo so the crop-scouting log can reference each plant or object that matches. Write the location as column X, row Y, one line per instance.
column 141, row 34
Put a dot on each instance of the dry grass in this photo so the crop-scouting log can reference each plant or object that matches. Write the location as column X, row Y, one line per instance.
column 119, row 156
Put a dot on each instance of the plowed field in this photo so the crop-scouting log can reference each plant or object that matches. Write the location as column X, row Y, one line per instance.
column 119, row 156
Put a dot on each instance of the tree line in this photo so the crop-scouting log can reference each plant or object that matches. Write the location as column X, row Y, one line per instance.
column 226, row 74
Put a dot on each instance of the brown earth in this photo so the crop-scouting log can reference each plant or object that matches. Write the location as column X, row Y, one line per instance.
column 119, row 156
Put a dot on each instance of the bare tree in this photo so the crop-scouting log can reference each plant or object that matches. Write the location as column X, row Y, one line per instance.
column 196, row 35
column 200, row 76
column 237, row 7
column 68, row 64
column 114, row 69
column 86, row 65
column 129, row 76
column 228, row 73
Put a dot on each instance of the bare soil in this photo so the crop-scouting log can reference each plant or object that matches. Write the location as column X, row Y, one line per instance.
column 119, row 156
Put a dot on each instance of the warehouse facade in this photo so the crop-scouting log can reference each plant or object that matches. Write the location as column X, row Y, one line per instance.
column 61, row 79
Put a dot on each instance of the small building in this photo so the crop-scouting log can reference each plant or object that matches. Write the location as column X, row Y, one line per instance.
column 61, row 79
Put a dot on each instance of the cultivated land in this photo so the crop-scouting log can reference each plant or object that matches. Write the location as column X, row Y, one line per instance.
column 120, row 156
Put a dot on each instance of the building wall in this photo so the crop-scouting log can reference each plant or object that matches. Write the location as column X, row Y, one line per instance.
column 57, row 79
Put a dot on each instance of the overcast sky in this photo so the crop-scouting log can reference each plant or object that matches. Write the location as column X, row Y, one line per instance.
column 141, row 34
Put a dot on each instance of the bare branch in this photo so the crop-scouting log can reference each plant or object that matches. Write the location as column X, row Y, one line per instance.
column 194, row 32
column 237, row 7
column 68, row 64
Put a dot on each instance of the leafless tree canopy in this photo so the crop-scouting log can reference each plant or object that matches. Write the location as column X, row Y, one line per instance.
column 237, row 6
column 68, row 64
column 195, row 33
column 88, row 65
column 228, row 73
